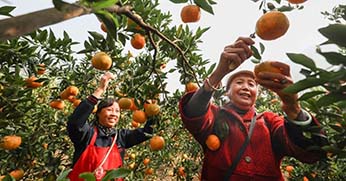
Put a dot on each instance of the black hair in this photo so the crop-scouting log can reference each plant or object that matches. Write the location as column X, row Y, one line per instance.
column 104, row 103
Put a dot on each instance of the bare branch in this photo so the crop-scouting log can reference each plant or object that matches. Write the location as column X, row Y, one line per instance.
column 27, row 23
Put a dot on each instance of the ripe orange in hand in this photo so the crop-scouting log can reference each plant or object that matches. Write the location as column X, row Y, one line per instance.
column 57, row 104
column 125, row 103
column 296, row 1
column 190, row 13
column 213, row 142
column 156, row 143
column 272, row 25
column 10, row 142
column 139, row 116
column 138, row 41
column 265, row 67
column 152, row 109
column 191, row 86
column 101, row 61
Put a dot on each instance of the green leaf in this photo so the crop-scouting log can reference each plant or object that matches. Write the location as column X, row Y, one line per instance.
column 330, row 99
column 335, row 33
column 304, row 84
column 205, row 6
column 179, row 1
column 5, row 10
column 117, row 173
column 59, row 4
column 110, row 21
column 88, row 176
column 255, row 52
column 211, row 68
column 334, row 58
column 302, row 60
column 309, row 95
column 63, row 175
column 262, row 48
column 331, row 149
column 337, row 128
column 285, row 8
column 103, row 4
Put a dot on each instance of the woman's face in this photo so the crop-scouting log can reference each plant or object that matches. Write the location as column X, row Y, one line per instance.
column 109, row 116
column 243, row 91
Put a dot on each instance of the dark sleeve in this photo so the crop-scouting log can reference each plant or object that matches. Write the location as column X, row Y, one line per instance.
column 295, row 133
column 129, row 138
column 77, row 125
column 198, row 103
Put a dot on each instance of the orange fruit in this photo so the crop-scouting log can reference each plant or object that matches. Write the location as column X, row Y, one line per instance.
column 152, row 109
column 156, row 143
column 289, row 168
column 181, row 171
column 272, row 25
column 149, row 101
column 305, row 178
column 101, row 61
column 17, row 174
column 138, row 41
column 191, row 86
column 149, row 171
column 41, row 69
column 76, row 102
column 10, row 142
column 265, row 66
column 190, row 13
column 213, row 142
column 133, row 105
column 135, row 124
column 296, row 1
column 139, row 116
column 103, row 27
column 125, row 103
column 30, row 82
column 72, row 90
column 71, row 99
column 146, row 161
column 57, row 104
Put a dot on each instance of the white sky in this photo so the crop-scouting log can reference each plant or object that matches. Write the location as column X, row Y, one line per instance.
column 233, row 18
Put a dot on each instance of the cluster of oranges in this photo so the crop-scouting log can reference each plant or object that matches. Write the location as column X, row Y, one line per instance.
column 151, row 108
column 12, row 142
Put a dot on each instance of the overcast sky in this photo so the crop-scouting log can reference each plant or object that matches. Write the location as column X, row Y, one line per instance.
column 233, row 18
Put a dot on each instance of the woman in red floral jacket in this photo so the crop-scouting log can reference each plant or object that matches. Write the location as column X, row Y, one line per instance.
column 273, row 136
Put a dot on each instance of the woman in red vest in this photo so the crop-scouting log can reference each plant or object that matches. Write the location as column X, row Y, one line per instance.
column 252, row 144
column 99, row 146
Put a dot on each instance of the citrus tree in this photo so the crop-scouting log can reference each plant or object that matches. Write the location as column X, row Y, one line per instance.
column 43, row 79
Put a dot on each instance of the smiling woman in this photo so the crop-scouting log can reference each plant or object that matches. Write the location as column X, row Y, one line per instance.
column 249, row 145
column 100, row 146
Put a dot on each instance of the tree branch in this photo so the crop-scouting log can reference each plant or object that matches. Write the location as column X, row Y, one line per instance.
column 27, row 23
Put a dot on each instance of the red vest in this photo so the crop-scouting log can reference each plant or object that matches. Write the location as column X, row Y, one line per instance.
column 92, row 157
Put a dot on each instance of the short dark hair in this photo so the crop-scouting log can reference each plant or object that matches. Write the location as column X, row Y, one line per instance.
column 105, row 103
